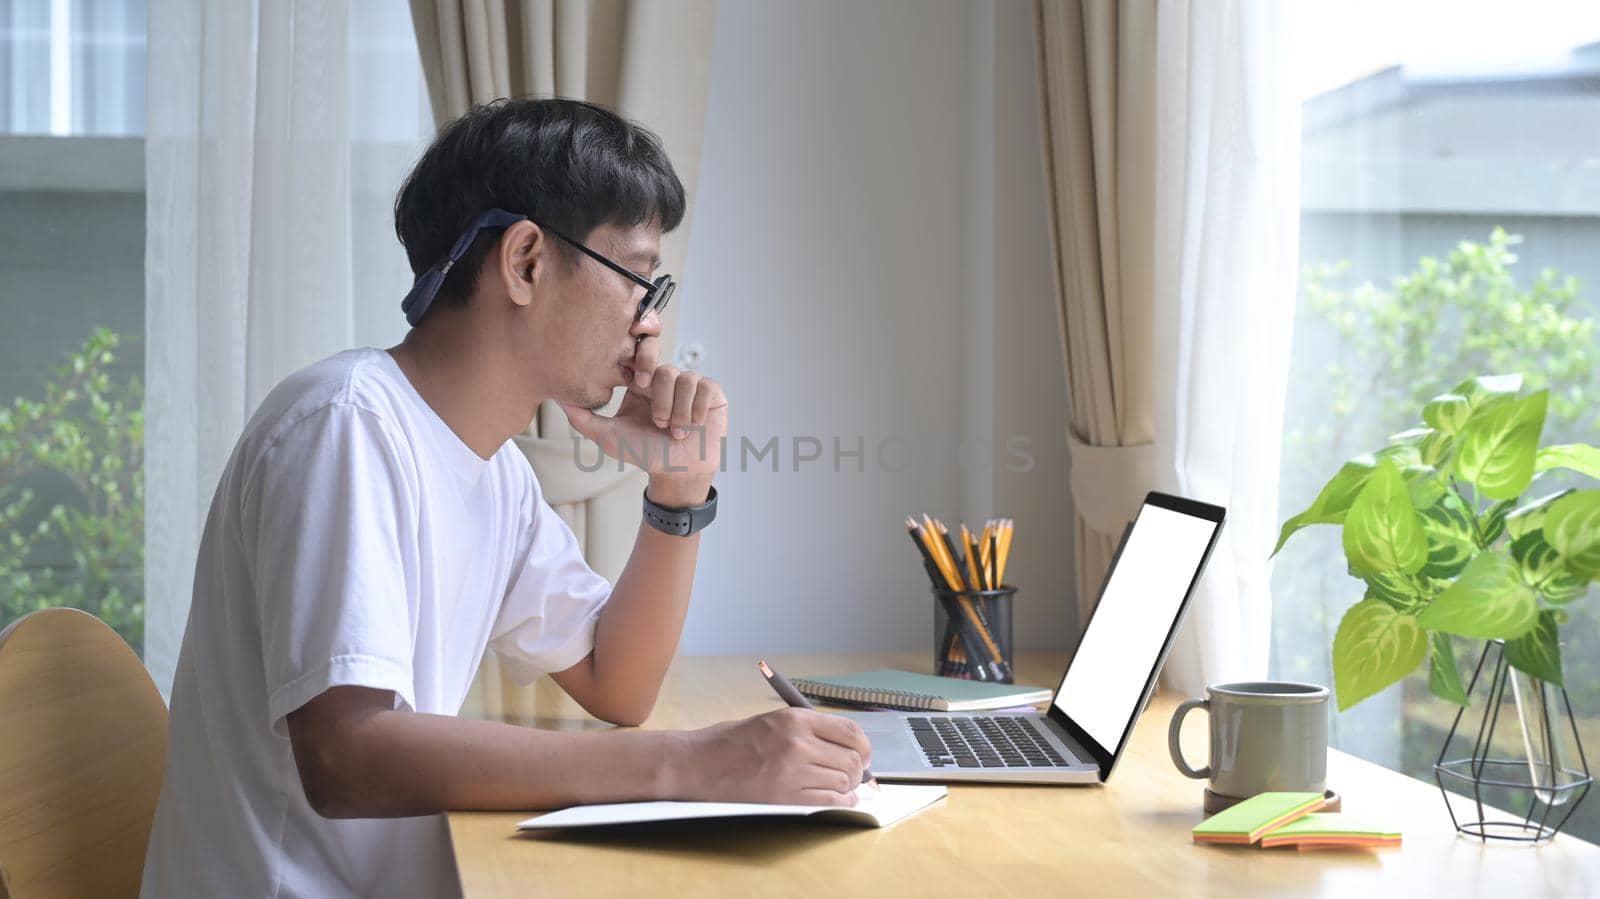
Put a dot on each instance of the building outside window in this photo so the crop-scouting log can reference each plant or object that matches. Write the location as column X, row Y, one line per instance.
column 1450, row 220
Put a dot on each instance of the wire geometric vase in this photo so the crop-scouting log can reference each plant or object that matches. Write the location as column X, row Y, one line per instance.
column 1553, row 775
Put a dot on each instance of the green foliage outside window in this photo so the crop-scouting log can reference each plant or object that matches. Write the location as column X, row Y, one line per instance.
column 1450, row 319
column 1380, row 352
column 84, row 438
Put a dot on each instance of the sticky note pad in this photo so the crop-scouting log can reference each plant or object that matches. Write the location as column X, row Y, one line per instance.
column 1246, row 822
column 1319, row 830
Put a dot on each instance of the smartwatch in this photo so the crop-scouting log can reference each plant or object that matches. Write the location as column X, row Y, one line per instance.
column 681, row 522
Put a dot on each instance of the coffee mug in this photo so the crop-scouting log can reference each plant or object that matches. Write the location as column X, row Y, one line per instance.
column 1265, row 736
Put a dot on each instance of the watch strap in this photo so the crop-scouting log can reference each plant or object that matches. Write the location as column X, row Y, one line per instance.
column 681, row 522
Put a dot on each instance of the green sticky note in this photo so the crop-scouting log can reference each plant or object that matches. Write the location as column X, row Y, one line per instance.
column 1245, row 822
column 1331, row 830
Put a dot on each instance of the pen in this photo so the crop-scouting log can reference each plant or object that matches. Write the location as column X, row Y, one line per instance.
column 795, row 699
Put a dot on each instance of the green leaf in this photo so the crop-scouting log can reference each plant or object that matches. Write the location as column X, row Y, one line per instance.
column 1447, row 524
column 1435, row 449
column 1493, row 523
column 1374, row 647
column 1538, row 652
column 1444, row 678
column 1488, row 601
column 1382, row 532
column 1404, row 454
column 1573, row 527
column 1530, row 516
column 1545, row 570
column 1335, row 499
column 1410, row 437
column 1447, row 412
column 1483, row 388
column 1424, row 485
column 1498, row 444
column 1578, row 457
column 1400, row 591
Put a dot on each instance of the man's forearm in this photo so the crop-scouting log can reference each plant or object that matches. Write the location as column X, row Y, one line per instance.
column 638, row 631
column 390, row 764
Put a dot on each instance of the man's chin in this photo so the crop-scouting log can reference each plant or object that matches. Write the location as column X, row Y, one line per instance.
column 596, row 401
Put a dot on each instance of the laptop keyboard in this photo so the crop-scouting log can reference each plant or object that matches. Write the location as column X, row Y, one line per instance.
column 1001, row 741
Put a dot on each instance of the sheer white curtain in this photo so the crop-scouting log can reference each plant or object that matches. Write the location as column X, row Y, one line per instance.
column 270, row 243
column 1226, row 263
column 1172, row 141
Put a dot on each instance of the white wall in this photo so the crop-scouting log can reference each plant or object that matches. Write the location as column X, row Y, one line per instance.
column 869, row 264
column 869, row 260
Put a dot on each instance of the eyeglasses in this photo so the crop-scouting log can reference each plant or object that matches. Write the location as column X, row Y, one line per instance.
column 656, row 293
column 416, row 303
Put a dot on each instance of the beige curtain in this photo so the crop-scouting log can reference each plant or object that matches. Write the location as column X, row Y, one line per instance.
column 1173, row 154
column 1098, row 76
column 648, row 61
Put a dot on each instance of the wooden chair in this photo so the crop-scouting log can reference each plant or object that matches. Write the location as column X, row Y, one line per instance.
column 83, row 741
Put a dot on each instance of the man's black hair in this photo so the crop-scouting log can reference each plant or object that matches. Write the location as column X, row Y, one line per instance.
column 568, row 164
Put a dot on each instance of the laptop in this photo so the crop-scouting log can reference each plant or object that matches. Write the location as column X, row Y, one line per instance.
column 1079, row 738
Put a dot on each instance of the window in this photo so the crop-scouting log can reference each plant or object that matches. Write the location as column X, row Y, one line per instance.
column 71, row 404
column 1450, row 207
column 72, row 275
column 72, row 67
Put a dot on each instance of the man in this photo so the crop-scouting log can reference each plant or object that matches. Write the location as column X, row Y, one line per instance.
column 375, row 530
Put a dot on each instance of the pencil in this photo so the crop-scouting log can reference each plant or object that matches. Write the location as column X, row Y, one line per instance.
column 994, row 561
column 971, row 561
column 950, row 547
column 990, row 654
column 947, row 648
column 983, row 554
column 981, row 646
column 958, row 658
column 945, row 578
column 927, row 558
column 936, row 548
column 975, row 555
column 1007, row 530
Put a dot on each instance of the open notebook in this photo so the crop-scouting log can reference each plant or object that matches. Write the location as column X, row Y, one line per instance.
column 874, row 808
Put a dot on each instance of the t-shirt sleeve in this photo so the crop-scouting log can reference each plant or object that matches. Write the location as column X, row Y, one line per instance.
column 547, row 621
column 327, row 517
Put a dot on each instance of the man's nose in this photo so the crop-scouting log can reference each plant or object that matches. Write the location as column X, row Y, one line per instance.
column 649, row 326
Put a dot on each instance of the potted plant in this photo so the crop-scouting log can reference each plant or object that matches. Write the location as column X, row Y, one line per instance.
column 1436, row 526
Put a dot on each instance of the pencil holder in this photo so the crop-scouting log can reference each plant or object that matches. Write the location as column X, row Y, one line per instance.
column 973, row 633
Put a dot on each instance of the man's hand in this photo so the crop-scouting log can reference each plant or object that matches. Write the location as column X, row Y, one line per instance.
column 671, row 423
column 794, row 756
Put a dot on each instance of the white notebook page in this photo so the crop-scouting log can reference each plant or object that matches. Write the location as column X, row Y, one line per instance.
column 874, row 808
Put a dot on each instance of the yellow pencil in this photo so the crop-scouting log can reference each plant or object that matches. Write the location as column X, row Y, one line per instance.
column 941, row 555
column 1007, row 527
column 971, row 609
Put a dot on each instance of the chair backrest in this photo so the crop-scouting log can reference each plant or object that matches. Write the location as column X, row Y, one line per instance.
column 83, row 741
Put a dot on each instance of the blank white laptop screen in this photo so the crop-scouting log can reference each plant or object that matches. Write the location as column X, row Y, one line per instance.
column 1106, row 679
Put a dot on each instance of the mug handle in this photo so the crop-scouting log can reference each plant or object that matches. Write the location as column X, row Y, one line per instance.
column 1183, row 709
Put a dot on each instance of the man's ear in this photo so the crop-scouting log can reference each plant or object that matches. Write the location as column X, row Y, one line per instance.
column 522, row 260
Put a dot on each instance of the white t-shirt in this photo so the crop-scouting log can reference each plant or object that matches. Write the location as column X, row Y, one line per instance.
column 353, row 539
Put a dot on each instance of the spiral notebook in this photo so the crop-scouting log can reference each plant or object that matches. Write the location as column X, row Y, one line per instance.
column 892, row 689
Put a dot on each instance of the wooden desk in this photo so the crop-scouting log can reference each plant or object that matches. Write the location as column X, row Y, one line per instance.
column 1130, row 837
